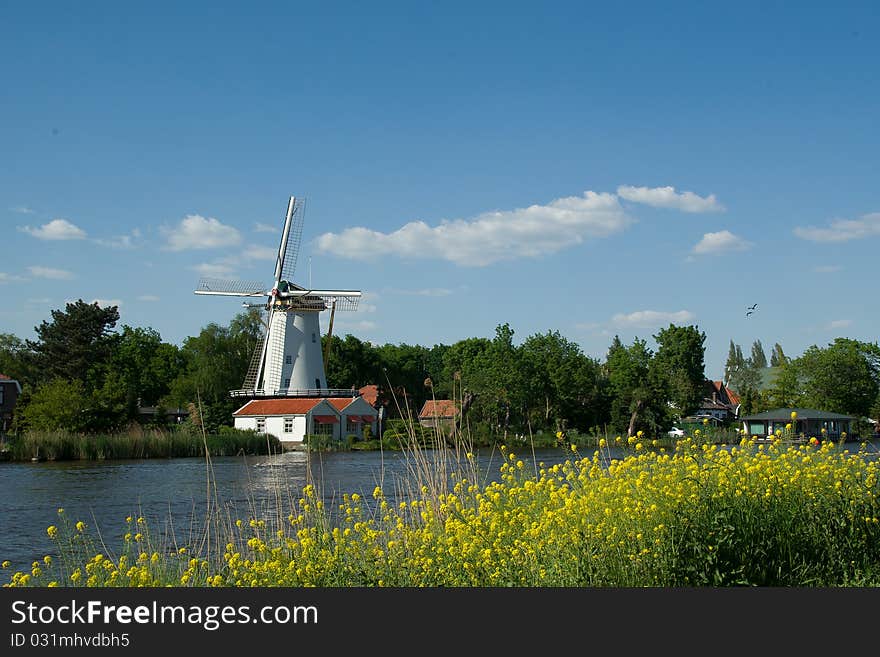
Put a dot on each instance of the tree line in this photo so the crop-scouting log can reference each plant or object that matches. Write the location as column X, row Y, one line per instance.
column 83, row 374
column 841, row 377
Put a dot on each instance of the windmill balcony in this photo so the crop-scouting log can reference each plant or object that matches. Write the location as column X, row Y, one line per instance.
column 299, row 392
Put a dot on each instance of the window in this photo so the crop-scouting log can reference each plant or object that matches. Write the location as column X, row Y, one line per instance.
column 288, row 359
column 313, row 337
column 352, row 427
column 2, row 394
column 318, row 384
column 322, row 429
column 261, row 425
column 286, row 383
column 288, row 425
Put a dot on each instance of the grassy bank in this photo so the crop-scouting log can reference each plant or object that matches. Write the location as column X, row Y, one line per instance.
column 136, row 443
column 696, row 515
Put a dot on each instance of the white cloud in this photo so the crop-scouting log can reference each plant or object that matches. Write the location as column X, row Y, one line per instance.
column 21, row 209
column 256, row 252
column 9, row 278
column 49, row 272
column 57, row 229
column 120, row 241
column 424, row 292
column 361, row 325
column 839, row 323
column 198, row 232
column 148, row 297
column 264, row 228
column 842, row 230
column 106, row 303
column 667, row 197
column 489, row 237
column 721, row 242
column 651, row 318
column 826, row 269
column 218, row 269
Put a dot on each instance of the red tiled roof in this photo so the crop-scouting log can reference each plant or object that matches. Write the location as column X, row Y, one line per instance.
column 734, row 398
column 5, row 378
column 438, row 408
column 296, row 406
column 340, row 402
column 370, row 394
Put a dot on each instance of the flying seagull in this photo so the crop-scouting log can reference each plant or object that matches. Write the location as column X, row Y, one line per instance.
column 753, row 307
column 749, row 313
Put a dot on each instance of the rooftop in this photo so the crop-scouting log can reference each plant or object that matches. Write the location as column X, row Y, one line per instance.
column 802, row 414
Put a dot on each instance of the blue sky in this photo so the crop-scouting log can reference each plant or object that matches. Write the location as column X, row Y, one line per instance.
column 591, row 168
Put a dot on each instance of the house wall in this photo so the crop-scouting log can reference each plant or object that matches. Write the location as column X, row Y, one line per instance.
column 275, row 426
column 10, row 397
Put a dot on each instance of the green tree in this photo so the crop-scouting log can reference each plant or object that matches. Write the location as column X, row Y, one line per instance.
column 758, row 358
column 638, row 401
column 58, row 404
column 215, row 362
column 777, row 357
column 78, row 341
column 351, row 363
column 144, row 366
column 786, row 389
column 562, row 384
column 15, row 359
column 679, row 363
column 734, row 367
column 843, row 377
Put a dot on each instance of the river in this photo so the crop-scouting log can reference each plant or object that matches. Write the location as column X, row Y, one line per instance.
column 172, row 494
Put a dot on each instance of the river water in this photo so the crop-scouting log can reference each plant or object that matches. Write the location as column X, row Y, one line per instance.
column 172, row 494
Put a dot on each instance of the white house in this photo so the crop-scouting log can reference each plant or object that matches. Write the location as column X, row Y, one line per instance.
column 291, row 419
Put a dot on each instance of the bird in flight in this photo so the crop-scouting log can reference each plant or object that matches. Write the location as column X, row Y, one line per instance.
column 749, row 313
column 752, row 308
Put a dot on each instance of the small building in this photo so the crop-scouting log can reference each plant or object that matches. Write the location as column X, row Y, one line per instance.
column 808, row 423
column 10, row 389
column 438, row 413
column 354, row 415
column 291, row 419
column 719, row 402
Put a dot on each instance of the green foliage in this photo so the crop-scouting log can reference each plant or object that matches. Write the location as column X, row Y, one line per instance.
column 843, row 377
column 679, row 365
column 59, row 404
column 77, row 343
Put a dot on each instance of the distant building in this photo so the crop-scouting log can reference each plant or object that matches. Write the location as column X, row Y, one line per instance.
column 10, row 389
column 438, row 413
column 809, row 423
column 719, row 402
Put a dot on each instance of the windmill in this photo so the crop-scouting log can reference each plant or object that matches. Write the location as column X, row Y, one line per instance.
column 288, row 359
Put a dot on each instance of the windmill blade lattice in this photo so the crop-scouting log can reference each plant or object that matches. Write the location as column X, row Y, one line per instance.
column 231, row 288
column 294, row 238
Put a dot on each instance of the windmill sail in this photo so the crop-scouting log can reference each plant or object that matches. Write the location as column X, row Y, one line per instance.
column 291, row 238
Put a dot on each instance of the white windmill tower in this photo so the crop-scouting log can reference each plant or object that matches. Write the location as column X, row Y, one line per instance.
column 288, row 361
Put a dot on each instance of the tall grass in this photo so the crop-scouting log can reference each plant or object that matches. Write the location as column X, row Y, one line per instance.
column 134, row 443
column 695, row 515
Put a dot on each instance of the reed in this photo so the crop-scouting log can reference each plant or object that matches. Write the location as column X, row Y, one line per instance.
column 134, row 443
